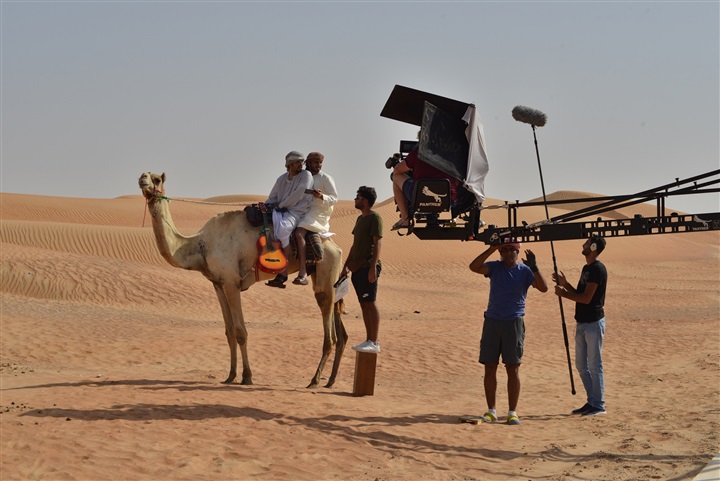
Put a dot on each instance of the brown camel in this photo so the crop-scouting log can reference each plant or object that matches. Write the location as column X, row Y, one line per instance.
column 225, row 252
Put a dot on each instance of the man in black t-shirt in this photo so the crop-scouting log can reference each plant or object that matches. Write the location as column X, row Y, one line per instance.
column 589, row 298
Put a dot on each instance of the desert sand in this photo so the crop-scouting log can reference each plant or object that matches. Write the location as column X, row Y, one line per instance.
column 112, row 360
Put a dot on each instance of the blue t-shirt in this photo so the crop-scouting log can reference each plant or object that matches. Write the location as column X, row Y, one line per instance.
column 508, row 289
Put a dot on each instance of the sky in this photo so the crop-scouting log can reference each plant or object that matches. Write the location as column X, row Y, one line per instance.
column 214, row 94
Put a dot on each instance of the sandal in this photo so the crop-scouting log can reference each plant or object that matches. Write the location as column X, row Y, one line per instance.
column 279, row 281
column 489, row 417
column 399, row 225
column 301, row 281
column 513, row 419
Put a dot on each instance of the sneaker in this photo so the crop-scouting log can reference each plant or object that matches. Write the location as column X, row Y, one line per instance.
column 594, row 412
column 368, row 346
column 586, row 407
column 513, row 419
column 489, row 417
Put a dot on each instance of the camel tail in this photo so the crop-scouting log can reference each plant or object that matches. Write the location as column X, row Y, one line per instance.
column 340, row 332
column 339, row 307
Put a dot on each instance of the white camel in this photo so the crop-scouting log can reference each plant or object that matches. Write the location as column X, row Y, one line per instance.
column 225, row 252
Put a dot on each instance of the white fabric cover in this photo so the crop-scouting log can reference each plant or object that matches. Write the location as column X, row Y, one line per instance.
column 478, row 165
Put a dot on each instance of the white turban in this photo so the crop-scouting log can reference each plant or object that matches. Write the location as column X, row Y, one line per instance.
column 293, row 156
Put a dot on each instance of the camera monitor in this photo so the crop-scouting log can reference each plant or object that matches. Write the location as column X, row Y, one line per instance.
column 407, row 145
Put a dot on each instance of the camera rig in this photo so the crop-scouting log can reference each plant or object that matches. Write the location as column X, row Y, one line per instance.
column 406, row 146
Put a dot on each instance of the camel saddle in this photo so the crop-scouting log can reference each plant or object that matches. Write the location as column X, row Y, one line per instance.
column 254, row 215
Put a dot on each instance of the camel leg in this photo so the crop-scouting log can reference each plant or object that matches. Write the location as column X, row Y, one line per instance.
column 229, row 332
column 232, row 294
column 329, row 338
column 342, row 338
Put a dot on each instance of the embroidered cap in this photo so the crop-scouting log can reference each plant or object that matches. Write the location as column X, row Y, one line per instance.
column 316, row 155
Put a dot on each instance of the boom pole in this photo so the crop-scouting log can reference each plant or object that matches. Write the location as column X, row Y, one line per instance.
column 555, row 268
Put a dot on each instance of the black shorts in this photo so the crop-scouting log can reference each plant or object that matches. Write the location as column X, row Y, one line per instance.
column 502, row 337
column 366, row 291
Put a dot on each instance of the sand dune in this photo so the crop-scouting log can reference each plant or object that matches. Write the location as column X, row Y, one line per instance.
column 112, row 359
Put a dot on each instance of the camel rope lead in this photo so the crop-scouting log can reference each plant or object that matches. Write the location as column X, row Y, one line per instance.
column 147, row 202
column 164, row 197
column 205, row 202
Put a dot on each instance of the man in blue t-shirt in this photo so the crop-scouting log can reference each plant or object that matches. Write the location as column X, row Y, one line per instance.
column 504, row 326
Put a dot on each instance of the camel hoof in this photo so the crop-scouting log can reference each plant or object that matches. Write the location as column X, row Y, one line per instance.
column 246, row 381
column 312, row 385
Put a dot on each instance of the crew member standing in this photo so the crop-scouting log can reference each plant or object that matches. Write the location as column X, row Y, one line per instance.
column 504, row 327
column 589, row 298
column 364, row 263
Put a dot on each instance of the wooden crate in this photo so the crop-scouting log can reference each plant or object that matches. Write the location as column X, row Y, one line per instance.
column 365, row 364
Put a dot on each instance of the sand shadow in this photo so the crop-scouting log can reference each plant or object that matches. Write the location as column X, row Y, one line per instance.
column 372, row 430
column 151, row 384
column 362, row 429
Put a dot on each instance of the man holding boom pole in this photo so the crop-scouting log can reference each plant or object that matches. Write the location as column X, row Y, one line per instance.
column 589, row 297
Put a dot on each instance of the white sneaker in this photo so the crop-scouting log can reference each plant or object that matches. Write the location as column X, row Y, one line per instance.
column 368, row 346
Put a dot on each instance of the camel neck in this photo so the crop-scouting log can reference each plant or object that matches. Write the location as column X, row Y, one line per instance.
column 168, row 239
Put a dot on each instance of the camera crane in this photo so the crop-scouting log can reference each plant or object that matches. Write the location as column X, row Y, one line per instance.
column 444, row 145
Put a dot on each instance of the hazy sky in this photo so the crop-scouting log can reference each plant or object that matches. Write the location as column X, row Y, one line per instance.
column 216, row 93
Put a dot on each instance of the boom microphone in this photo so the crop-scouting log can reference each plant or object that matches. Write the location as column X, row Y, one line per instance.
column 529, row 116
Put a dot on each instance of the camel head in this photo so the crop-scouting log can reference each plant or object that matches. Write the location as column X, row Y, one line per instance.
column 152, row 185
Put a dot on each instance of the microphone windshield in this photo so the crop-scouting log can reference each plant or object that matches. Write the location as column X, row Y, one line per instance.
column 529, row 116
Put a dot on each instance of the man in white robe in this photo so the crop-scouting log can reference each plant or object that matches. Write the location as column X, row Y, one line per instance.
column 291, row 202
column 317, row 219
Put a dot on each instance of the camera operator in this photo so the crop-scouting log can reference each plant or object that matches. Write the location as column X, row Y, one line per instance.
column 403, row 183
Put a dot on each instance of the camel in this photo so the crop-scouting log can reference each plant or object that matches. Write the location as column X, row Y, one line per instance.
column 225, row 252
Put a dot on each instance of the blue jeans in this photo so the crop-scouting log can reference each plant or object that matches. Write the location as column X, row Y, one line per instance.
column 588, row 360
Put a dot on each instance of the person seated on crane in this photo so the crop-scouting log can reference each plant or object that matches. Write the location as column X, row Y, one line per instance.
column 403, row 184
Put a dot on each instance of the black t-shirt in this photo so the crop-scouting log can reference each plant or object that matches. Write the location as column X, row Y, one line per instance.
column 593, row 311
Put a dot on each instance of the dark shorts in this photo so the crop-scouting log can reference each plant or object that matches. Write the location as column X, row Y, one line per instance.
column 408, row 187
column 502, row 337
column 366, row 291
